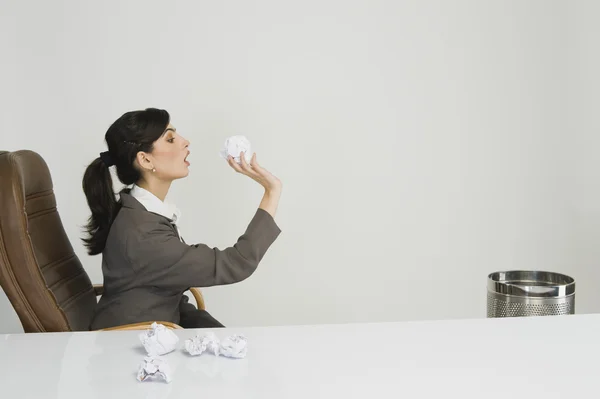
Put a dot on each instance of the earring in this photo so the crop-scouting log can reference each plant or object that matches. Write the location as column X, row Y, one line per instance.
column 153, row 170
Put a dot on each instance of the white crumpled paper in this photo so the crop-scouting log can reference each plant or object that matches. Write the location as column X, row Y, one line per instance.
column 203, row 343
column 154, row 368
column 233, row 346
column 234, row 145
column 159, row 340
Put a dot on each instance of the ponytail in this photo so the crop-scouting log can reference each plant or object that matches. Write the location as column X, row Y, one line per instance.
column 98, row 189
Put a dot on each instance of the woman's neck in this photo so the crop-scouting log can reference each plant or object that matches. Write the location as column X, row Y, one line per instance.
column 157, row 187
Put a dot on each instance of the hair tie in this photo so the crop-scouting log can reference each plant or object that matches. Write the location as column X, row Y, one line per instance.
column 107, row 159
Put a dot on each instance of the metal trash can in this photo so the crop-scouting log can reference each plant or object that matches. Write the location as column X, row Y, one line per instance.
column 519, row 293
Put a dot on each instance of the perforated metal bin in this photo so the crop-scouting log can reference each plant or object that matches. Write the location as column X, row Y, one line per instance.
column 519, row 293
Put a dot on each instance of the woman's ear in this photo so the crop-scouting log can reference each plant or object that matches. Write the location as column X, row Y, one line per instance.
column 143, row 161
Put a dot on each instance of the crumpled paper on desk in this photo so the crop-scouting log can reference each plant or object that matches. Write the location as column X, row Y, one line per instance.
column 234, row 145
column 159, row 340
column 233, row 346
column 154, row 368
column 202, row 343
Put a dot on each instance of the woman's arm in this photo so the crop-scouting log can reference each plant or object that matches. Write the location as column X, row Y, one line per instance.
column 271, row 183
column 160, row 259
column 270, row 201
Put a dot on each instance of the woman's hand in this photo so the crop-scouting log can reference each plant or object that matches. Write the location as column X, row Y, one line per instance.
column 256, row 172
column 263, row 177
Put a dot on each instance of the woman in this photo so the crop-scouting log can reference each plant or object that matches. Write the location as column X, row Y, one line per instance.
column 146, row 265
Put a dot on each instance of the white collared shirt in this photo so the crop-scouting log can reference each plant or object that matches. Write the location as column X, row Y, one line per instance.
column 153, row 204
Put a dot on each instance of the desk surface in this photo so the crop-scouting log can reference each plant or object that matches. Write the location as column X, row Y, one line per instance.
column 549, row 357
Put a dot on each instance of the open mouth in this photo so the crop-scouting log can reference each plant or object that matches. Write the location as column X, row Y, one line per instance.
column 185, row 159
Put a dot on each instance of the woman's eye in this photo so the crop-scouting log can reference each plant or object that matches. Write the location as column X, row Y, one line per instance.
column 171, row 140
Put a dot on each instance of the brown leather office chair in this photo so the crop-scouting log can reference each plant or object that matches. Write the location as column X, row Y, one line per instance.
column 39, row 271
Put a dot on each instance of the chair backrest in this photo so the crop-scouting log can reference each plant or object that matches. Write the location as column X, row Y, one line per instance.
column 39, row 271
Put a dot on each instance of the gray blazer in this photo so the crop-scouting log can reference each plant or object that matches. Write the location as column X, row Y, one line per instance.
column 147, row 268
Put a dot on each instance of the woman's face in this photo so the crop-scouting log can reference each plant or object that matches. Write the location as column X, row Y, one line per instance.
column 168, row 157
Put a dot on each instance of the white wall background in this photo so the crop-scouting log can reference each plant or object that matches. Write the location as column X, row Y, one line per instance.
column 583, row 132
column 422, row 144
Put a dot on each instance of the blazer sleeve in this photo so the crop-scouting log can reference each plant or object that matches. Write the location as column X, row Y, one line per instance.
column 160, row 259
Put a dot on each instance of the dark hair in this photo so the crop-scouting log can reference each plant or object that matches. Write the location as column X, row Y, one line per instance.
column 133, row 132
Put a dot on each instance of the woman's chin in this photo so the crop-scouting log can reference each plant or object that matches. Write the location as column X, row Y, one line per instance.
column 181, row 175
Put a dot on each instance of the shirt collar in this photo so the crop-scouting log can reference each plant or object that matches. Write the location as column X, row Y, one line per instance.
column 153, row 204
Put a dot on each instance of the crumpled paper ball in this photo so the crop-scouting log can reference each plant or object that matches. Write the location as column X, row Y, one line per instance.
column 154, row 368
column 234, row 346
column 234, row 145
column 159, row 340
column 202, row 343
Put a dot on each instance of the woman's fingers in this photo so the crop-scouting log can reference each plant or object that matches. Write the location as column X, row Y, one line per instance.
column 256, row 167
column 242, row 167
column 254, row 164
column 243, row 162
column 245, row 166
column 254, row 171
column 234, row 165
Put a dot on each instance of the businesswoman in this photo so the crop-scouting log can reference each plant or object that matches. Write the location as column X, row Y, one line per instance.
column 146, row 264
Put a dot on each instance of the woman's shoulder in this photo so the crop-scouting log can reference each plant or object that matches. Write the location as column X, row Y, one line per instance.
column 139, row 234
column 138, row 221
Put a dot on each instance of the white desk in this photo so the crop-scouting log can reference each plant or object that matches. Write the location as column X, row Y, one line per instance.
column 549, row 357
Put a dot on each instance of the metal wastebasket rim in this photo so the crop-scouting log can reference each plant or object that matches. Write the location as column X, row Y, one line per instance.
column 531, row 283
